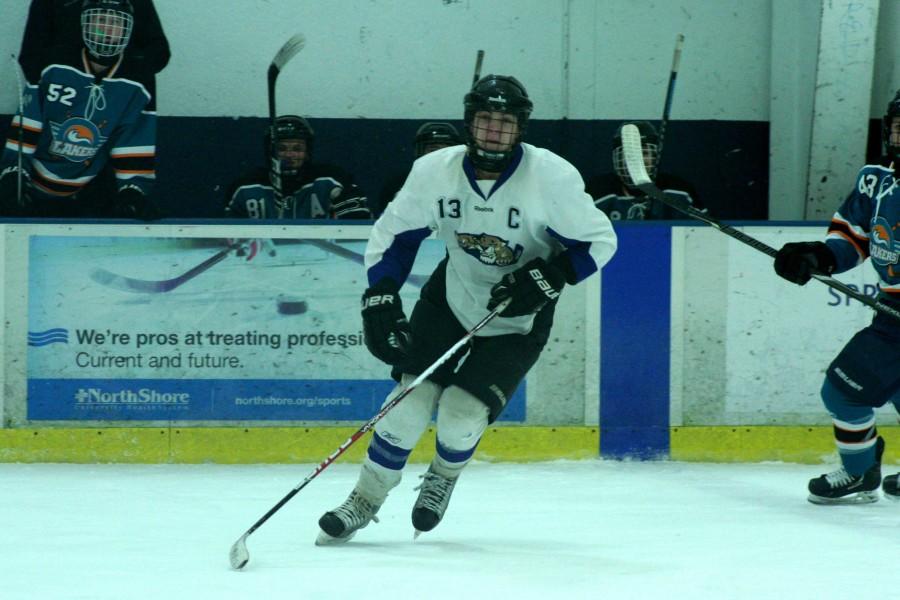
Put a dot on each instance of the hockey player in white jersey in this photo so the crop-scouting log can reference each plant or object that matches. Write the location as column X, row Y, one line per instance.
column 517, row 224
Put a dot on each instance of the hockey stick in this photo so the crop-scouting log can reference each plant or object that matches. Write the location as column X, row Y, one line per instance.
column 146, row 286
column 21, row 131
column 634, row 161
column 328, row 246
column 670, row 92
column 239, row 555
column 479, row 58
column 288, row 51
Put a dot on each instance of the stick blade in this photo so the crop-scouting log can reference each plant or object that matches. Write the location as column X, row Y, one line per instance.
column 288, row 51
column 239, row 556
column 634, row 155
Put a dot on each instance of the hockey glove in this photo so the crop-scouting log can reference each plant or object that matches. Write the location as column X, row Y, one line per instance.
column 385, row 328
column 9, row 193
column 131, row 203
column 530, row 287
column 345, row 207
column 798, row 261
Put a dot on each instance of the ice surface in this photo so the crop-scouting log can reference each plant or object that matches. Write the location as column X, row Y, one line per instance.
column 588, row 529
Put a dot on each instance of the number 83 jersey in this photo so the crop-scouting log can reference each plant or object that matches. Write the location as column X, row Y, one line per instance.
column 867, row 225
column 537, row 208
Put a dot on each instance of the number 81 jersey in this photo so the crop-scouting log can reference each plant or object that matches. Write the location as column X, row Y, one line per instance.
column 537, row 208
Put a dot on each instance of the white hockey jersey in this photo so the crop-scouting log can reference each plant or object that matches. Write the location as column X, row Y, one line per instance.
column 537, row 208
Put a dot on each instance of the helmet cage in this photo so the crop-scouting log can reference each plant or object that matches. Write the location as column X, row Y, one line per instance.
column 106, row 31
column 495, row 93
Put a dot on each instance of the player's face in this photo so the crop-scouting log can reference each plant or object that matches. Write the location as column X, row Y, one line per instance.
column 108, row 27
column 495, row 131
column 292, row 153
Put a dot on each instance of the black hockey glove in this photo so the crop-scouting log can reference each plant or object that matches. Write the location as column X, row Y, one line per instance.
column 131, row 203
column 530, row 287
column 385, row 328
column 9, row 193
column 798, row 261
column 347, row 207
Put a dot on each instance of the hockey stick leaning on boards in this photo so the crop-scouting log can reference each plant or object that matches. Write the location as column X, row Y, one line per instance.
column 670, row 93
column 634, row 161
column 288, row 51
column 239, row 555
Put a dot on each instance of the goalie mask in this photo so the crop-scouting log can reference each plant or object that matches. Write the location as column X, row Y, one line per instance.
column 649, row 144
column 497, row 110
column 293, row 145
column 890, row 130
column 106, row 27
column 434, row 136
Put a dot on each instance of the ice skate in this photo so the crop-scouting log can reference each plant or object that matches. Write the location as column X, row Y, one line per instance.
column 341, row 524
column 432, row 502
column 840, row 487
column 891, row 487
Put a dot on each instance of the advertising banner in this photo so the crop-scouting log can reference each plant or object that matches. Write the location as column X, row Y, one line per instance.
column 125, row 328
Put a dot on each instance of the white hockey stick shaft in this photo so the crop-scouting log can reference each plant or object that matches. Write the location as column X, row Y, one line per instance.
column 287, row 51
column 670, row 91
column 634, row 161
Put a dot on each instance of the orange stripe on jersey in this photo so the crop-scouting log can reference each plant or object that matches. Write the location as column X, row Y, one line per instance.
column 56, row 188
column 842, row 226
column 52, row 192
column 136, row 155
column 145, row 173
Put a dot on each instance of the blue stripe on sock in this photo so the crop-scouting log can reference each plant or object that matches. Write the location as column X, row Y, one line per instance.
column 454, row 456
column 386, row 454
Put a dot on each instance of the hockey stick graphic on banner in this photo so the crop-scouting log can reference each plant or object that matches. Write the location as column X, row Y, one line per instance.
column 239, row 555
column 288, row 51
column 344, row 252
column 670, row 93
column 634, row 161
column 148, row 286
column 479, row 58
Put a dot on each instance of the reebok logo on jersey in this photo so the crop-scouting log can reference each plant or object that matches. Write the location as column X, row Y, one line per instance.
column 377, row 300
column 543, row 284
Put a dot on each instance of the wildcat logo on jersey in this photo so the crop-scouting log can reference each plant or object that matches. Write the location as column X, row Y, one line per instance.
column 489, row 249
column 883, row 248
column 75, row 139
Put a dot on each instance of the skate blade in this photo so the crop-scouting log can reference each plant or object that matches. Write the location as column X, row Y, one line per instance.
column 323, row 539
column 892, row 497
column 417, row 533
column 857, row 498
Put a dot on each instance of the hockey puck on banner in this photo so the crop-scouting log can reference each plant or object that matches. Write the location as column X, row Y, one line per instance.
column 291, row 305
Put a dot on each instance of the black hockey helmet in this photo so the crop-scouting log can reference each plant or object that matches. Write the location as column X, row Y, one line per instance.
column 435, row 134
column 495, row 93
column 649, row 143
column 106, row 27
column 891, row 148
column 289, row 127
